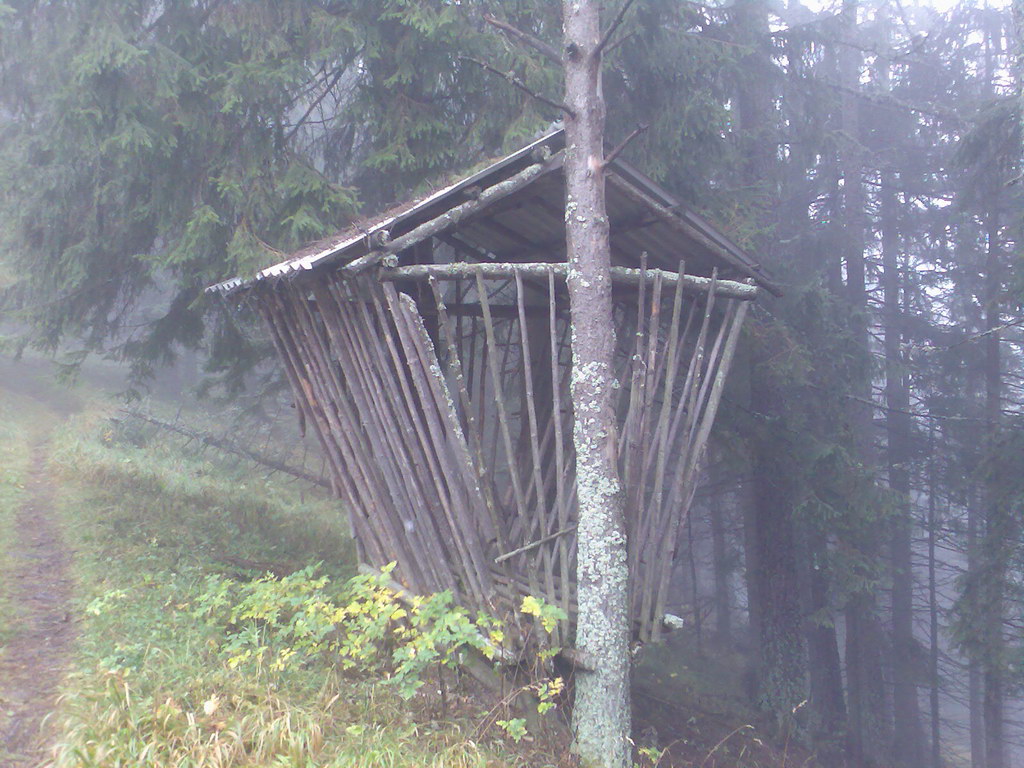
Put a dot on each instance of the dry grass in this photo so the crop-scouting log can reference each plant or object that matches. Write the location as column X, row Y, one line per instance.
column 231, row 722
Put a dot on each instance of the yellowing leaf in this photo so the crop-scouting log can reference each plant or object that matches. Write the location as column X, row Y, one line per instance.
column 530, row 606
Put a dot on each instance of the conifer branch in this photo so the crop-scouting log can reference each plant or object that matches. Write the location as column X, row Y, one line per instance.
column 520, row 85
column 616, row 22
column 642, row 128
column 625, row 39
column 525, row 38
column 316, row 102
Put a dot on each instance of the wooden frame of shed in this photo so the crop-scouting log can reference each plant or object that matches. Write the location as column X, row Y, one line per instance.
column 430, row 352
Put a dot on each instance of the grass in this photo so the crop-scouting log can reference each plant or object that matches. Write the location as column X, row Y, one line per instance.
column 149, row 518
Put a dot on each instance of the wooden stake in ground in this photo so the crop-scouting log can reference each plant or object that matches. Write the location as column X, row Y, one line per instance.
column 601, row 718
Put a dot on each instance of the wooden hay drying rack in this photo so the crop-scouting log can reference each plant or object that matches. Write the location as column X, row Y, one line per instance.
column 436, row 375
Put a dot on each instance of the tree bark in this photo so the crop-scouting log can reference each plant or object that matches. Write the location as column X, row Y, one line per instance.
column 974, row 679
column 601, row 717
column 933, row 612
column 775, row 582
column 824, row 665
column 870, row 724
column 907, row 747
column 997, row 528
column 772, row 571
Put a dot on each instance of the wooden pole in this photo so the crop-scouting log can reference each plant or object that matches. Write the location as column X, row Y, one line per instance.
column 539, row 270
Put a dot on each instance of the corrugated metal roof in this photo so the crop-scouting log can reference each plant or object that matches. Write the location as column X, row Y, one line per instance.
column 529, row 225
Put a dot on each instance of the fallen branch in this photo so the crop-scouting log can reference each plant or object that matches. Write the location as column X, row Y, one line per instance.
column 533, row 545
column 229, row 446
column 280, row 570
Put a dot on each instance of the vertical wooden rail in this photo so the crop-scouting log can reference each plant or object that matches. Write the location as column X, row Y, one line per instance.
column 731, row 329
column 449, row 442
column 499, row 403
column 400, row 428
column 342, row 481
column 543, row 558
column 375, row 443
column 557, row 423
column 472, row 424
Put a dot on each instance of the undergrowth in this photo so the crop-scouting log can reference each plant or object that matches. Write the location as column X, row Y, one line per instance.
column 187, row 659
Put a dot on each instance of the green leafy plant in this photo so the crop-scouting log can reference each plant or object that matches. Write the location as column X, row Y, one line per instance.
column 515, row 728
column 652, row 755
column 365, row 624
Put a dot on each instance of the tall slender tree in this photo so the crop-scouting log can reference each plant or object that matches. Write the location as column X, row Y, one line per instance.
column 601, row 718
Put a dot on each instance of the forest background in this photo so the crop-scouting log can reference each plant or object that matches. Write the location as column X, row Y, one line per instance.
column 858, row 534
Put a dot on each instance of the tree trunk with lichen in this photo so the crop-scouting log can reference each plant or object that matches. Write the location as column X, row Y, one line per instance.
column 601, row 718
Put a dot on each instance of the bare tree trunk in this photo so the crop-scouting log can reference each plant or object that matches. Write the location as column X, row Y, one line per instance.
column 775, row 580
column 601, row 718
column 773, row 573
column 870, row 723
column 974, row 690
column 994, row 548
column 933, row 613
column 824, row 665
column 908, row 747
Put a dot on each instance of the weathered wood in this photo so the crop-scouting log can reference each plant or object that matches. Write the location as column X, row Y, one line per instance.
column 693, row 284
column 472, row 425
column 545, row 559
column 453, row 216
column 559, row 438
column 316, row 359
column 499, row 397
column 410, row 436
column 408, row 408
column 346, row 468
column 533, row 545
column 697, row 447
column 380, row 414
column 656, row 511
column 450, row 444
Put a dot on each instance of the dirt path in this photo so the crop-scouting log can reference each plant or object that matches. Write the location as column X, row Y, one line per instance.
column 33, row 664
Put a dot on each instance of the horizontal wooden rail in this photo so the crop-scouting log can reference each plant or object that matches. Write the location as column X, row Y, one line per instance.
column 695, row 284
